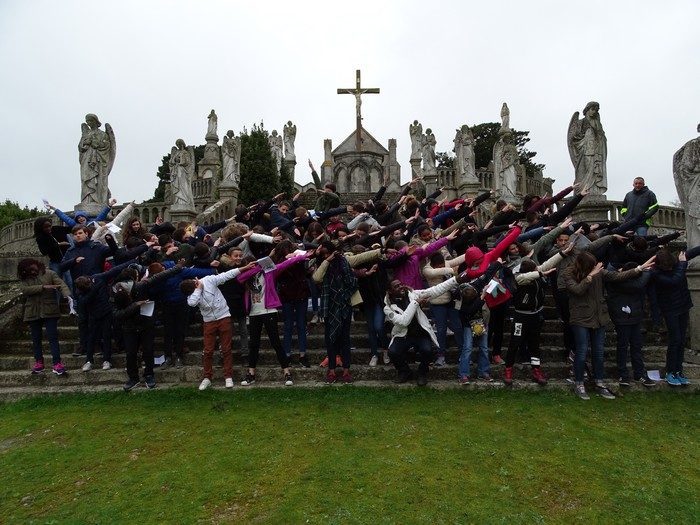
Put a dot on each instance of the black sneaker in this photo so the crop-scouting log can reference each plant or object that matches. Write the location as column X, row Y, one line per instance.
column 288, row 380
column 422, row 379
column 645, row 381
column 249, row 380
column 604, row 392
column 402, row 376
column 150, row 382
column 178, row 363
column 623, row 382
column 131, row 383
column 304, row 361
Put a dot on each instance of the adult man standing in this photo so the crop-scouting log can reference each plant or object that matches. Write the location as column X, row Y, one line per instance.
column 637, row 202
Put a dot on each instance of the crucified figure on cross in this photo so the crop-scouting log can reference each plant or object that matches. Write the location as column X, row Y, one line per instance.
column 358, row 91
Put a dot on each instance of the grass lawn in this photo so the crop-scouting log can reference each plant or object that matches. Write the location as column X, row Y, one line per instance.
column 350, row 455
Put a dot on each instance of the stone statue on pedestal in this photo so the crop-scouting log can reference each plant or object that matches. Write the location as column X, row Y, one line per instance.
column 415, row 130
column 97, row 150
column 505, row 117
column 686, row 173
column 428, row 143
column 275, row 142
column 231, row 153
column 212, row 124
column 181, row 175
column 464, row 155
column 505, row 158
column 588, row 149
column 290, row 134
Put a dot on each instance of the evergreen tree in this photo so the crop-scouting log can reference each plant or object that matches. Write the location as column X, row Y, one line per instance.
column 12, row 211
column 259, row 178
column 486, row 136
column 286, row 181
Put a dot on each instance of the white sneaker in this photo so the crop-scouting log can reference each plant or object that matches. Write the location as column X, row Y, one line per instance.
column 87, row 366
column 106, row 365
column 440, row 361
column 374, row 360
column 229, row 382
column 206, row 383
column 385, row 357
column 314, row 319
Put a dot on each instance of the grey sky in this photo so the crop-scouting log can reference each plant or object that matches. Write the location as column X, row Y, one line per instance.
column 154, row 70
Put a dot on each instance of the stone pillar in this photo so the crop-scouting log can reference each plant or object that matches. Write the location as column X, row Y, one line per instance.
column 178, row 214
column 592, row 209
column 393, row 166
column 229, row 191
column 693, row 275
column 210, row 165
column 327, row 166
column 416, row 171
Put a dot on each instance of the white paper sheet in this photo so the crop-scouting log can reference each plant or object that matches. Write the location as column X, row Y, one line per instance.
column 654, row 375
column 147, row 308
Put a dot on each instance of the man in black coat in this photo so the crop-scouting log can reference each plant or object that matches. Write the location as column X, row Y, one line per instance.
column 638, row 201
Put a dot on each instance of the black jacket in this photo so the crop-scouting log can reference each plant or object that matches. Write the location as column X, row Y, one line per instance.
column 626, row 299
column 638, row 202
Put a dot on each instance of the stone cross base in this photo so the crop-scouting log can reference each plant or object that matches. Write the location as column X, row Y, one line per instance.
column 592, row 211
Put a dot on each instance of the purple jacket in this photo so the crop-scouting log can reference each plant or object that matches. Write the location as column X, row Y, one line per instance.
column 272, row 300
column 409, row 272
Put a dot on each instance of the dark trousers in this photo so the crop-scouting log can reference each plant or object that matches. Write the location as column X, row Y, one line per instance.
column 35, row 328
column 338, row 343
column 561, row 299
column 526, row 328
column 133, row 340
column 100, row 329
column 629, row 337
column 677, row 326
column 255, row 326
column 424, row 350
column 83, row 326
column 176, row 320
column 496, row 321
column 374, row 316
column 294, row 313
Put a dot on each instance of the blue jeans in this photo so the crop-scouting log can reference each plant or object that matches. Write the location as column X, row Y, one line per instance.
column 400, row 347
column 294, row 313
column 481, row 342
column 629, row 336
column 446, row 315
column 677, row 326
column 35, row 327
column 65, row 275
column 582, row 337
column 315, row 294
column 374, row 315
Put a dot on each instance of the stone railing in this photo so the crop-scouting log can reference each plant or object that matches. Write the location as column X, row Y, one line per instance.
column 15, row 233
column 203, row 188
column 446, row 178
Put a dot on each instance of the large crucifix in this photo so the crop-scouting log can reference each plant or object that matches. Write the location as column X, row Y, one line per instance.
column 358, row 92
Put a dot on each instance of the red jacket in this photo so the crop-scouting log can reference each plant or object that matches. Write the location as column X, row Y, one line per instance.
column 477, row 261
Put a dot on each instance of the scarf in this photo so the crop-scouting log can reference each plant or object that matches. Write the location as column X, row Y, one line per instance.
column 339, row 284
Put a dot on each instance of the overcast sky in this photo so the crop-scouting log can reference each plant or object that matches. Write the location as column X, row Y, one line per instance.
column 154, row 70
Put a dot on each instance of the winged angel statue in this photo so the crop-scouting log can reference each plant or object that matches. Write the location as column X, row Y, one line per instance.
column 588, row 149
column 97, row 150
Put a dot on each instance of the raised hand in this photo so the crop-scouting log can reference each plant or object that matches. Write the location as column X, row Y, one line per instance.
column 648, row 264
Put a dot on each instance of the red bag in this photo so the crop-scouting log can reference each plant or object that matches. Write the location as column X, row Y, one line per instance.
column 498, row 293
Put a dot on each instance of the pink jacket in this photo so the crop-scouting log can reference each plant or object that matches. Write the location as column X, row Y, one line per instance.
column 409, row 272
column 272, row 300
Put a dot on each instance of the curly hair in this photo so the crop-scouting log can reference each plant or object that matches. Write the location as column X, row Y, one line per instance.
column 39, row 225
column 25, row 264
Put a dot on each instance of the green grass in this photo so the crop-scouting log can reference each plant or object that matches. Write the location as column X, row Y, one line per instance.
column 350, row 455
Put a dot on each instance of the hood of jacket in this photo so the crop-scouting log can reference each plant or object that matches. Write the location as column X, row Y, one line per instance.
column 472, row 255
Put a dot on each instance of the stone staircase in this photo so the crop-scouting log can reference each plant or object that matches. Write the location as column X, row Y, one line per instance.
column 16, row 359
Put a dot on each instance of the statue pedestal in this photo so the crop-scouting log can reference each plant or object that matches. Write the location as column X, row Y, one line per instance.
column 91, row 209
column 415, row 168
column 290, row 161
column 469, row 189
column 693, row 275
column 178, row 214
column 593, row 209
column 228, row 190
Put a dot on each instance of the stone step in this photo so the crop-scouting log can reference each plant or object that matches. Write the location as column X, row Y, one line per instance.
column 315, row 339
column 21, row 392
column 23, row 360
column 272, row 374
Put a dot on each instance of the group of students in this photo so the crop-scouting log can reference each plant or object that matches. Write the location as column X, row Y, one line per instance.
column 418, row 266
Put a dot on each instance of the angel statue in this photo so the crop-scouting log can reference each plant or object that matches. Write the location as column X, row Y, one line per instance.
column 290, row 134
column 97, row 150
column 505, row 158
column 686, row 173
column 588, row 149
column 231, row 153
column 181, row 175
